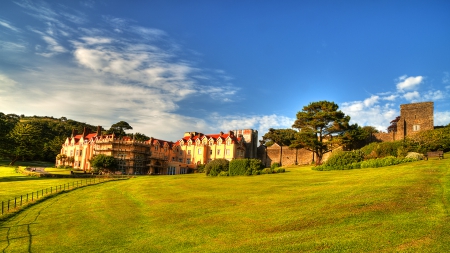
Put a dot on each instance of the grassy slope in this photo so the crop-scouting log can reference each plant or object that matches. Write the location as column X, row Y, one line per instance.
column 397, row 208
column 14, row 184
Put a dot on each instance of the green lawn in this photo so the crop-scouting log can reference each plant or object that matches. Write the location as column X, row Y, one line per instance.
column 13, row 184
column 403, row 208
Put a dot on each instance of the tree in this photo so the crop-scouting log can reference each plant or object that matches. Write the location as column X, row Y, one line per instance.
column 100, row 162
column 282, row 137
column 23, row 142
column 119, row 128
column 139, row 137
column 393, row 126
column 357, row 137
column 320, row 126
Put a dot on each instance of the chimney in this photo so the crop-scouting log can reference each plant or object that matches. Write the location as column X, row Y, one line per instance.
column 231, row 133
column 99, row 130
column 74, row 132
column 221, row 133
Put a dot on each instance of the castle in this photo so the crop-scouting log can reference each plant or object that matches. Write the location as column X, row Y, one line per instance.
column 156, row 156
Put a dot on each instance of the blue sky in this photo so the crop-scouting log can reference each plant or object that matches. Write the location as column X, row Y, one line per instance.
column 167, row 67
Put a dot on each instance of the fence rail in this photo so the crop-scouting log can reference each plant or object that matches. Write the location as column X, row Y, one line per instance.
column 12, row 205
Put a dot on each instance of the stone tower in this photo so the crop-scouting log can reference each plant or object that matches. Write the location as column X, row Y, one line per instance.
column 414, row 118
column 251, row 141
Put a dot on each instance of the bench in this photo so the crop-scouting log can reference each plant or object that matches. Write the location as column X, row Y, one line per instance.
column 439, row 154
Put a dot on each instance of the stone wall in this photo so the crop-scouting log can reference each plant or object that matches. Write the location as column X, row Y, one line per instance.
column 384, row 136
column 270, row 155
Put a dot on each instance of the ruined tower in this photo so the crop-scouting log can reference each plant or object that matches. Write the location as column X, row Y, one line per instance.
column 414, row 118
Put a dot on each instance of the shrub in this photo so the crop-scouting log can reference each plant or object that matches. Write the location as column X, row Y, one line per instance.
column 238, row 167
column 343, row 158
column 267, row 171
column 223, row 174
column 246, row 167
column 382, row 149
column 280, row 170
column 274, row 165
column 414, row 155
column 214, row 167
column 201, row 168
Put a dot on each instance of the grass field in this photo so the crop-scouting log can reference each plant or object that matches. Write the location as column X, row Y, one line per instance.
column 403, row 208
column 13, row 184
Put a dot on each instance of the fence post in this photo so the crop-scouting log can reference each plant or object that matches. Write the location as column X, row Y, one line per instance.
column 32, row 196
column 27, row 197
column 8, row 205
column 15, row 203
column 2, row 207
column 20, row 200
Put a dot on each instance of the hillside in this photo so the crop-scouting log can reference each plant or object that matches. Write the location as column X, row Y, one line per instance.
column 401, row 208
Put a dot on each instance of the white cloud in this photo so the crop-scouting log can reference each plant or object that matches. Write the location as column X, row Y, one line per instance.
column 367, row 114
column 441, row 118
column 434, row 95
column 412, row 96
column 408, row 83
column 6, row 24
column 390, row 98
column 371, row 101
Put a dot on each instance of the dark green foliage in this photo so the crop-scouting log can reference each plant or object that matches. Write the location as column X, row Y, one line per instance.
column 274, row 166
column 383, row 149
column 371, row 163
column 47, row 136
column 214, row 167
column 342, row 158
column 321, row 127
column 432, row 140
column 101, row 161
column 119, row 128
column 239, row 167
column 201, row 168
column 267, row 171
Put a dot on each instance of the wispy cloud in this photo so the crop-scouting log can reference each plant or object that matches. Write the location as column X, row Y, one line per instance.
column 6, row 24
column 136, row 76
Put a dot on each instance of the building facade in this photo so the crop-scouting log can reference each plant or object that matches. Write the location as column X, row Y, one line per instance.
column 156, row 156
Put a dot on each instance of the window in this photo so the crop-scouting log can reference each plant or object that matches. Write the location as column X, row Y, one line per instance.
column 189, row 152
column 188, row 161
column 180, row 160
column 199, row 151
column 171, row 171
column 210, row 152
column 156, row 148
column 228, row 142
column 416, row 127
column 218, row 151
column 227, row 152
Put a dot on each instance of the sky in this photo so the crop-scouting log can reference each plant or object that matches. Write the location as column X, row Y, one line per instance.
column 168, row 67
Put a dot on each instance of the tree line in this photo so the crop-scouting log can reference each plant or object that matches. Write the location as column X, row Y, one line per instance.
column 40, row 138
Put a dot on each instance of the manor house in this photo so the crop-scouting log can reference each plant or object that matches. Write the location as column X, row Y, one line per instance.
column 156, row 156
